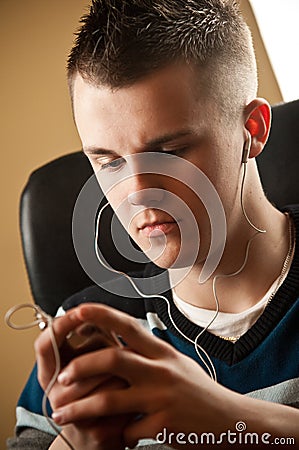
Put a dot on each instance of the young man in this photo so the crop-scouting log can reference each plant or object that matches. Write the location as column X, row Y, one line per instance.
column 170, row 84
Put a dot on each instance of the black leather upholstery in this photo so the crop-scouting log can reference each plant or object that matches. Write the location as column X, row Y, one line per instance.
column 45, row 217
column 49, row 196
column 46, row 212
column 279, row 162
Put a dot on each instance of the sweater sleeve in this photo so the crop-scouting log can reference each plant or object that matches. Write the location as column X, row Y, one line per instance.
column 32, row 428
column 29, row 408
column 30, row 439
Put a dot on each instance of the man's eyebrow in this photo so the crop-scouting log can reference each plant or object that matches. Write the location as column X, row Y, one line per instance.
column 154, row 143
column 150, row 145
column 93, row 150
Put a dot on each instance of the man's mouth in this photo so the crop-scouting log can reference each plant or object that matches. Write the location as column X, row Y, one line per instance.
column 155, row 229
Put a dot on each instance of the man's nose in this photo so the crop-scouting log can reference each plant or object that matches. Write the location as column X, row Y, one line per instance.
column 145, row 190
column 149, row 197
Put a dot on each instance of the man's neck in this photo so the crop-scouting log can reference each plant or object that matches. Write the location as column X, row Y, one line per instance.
column 266, row 255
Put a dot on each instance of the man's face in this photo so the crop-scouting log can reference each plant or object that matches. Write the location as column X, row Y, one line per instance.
column 166, row 113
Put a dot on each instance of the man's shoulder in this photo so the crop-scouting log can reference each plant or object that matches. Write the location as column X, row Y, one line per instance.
column 118, row 292
column 104, row 296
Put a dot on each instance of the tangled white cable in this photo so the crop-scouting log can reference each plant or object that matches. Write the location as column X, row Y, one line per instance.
column 42, row 320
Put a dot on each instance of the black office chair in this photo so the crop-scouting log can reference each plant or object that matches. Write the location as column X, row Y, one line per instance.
column 279, row 162
column 50, row 194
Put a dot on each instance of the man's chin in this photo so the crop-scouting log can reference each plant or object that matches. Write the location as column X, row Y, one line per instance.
column 169, row 254
column 169, row 263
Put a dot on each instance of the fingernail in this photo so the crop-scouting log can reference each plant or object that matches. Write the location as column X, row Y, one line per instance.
column 73, row 316
column 63, row 378
column 57, row 416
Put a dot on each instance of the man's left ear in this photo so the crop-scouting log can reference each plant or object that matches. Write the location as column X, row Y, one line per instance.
column 258, row 122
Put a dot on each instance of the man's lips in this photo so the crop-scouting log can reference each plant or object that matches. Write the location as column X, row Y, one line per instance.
column 156, row 229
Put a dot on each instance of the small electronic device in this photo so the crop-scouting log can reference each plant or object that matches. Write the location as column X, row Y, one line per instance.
column 86, row 338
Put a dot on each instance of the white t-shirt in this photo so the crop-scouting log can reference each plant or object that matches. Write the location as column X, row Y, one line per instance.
column 225, row 325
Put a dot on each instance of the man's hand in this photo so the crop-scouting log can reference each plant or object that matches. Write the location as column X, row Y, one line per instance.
column 96, row 433
column 159, row 388
column 165, row 388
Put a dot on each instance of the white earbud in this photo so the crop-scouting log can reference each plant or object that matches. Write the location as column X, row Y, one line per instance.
column 246, row 148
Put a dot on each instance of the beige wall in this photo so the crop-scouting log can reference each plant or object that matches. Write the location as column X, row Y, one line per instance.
column 36, row 126
column 268, row 87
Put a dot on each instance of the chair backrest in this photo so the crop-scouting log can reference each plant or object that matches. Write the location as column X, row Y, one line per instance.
column 50, row 194
column 279, row 162
column 46, row 211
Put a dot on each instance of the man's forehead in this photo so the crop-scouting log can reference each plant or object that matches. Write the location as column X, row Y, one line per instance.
column 160, row 105
column 181, row 75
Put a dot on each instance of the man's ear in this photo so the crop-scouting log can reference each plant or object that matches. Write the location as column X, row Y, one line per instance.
column 258, row 122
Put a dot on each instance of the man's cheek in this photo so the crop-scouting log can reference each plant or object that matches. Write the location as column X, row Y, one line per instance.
column 115, row 200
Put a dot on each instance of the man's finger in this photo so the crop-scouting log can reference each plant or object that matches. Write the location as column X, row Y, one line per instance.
column 134, row 335
column 45, row 343
column 111, row 361
column 77, row 390
column 100, row 404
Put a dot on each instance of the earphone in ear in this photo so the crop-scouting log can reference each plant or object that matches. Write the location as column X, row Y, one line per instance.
column 246, row 148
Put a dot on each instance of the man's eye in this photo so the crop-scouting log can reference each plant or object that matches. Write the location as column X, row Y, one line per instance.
column 176, row 151
column 113, row 166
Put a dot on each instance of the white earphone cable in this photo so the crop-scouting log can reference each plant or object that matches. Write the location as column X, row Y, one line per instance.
column 42, row 320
